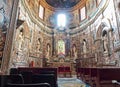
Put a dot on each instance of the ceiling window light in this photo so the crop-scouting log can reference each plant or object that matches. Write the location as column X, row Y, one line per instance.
column 61, row 20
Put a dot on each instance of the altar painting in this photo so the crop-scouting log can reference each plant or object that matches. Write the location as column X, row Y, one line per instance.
column 61, row 47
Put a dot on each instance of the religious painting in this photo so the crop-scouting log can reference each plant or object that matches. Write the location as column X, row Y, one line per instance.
column 61, row 47
column 91, row 6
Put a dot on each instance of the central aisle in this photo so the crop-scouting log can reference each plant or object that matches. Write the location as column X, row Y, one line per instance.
column 71, row 82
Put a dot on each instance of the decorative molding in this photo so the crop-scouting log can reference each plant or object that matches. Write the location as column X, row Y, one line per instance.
column 82, row 26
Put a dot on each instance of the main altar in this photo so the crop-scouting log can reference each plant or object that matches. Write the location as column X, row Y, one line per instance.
column 62, row 61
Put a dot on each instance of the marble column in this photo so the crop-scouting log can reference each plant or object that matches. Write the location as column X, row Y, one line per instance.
column 10, row 37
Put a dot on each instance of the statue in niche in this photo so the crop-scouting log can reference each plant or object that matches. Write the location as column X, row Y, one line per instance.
column 38, row 47
column 84, row 46
column 20, row 40
column 48, row 52
column 106, row 26
column 74, row 52
column 105, row 42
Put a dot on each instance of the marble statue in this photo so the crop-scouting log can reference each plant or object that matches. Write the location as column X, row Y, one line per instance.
column 105, row 43
column 20, row 40
column 84, row 47
column 74, row 52
column 38, row 45
column 48, row 52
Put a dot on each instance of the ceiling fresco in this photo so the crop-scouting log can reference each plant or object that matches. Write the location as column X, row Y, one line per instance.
column 62, row 3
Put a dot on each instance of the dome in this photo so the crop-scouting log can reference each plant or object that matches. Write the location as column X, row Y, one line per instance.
column 62, row 3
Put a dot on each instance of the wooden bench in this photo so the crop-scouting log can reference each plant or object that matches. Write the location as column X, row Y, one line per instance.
column 93, row 76
column 28, row 72
column 79, row 73
column 106, row 75
column 38, row 70
column 86, row 75
column 99, row 77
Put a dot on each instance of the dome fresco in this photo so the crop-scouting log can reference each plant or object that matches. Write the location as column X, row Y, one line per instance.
column 62, row 3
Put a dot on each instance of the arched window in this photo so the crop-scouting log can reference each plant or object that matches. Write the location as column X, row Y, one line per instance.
column 41, row 12
column 61, row 47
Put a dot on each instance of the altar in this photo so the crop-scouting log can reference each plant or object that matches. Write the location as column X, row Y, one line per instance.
column 59, row 64
column 63, row 64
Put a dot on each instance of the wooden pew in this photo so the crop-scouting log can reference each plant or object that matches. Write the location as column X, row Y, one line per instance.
column 93, row 76
column 17, row 81
column 99, row 77
column 38, row 70
column 106, row 75
column 86, row 75
column 28, row 77
column 44, row 78
column 79, row 72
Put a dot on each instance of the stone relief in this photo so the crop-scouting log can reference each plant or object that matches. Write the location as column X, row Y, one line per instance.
column 21, row 46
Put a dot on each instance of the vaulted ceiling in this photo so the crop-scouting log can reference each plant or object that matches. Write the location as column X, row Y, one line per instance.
column 62, row 3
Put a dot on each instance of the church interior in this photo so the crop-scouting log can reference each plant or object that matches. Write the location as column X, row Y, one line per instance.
column 43, row 42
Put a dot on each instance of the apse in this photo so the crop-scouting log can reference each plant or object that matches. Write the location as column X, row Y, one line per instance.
column 62, row 3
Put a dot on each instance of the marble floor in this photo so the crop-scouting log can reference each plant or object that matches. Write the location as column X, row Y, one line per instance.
column 71, row 82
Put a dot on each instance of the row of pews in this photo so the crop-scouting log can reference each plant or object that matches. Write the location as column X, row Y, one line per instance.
column 30, row 77
column 100, row 77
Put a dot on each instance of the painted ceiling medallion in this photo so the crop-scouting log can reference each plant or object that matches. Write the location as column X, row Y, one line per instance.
column 62, row 3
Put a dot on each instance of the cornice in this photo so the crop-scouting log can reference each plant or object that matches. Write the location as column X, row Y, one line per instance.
column 77, row 6
column 82, row 26
column 46, row 5
column 35, row 19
